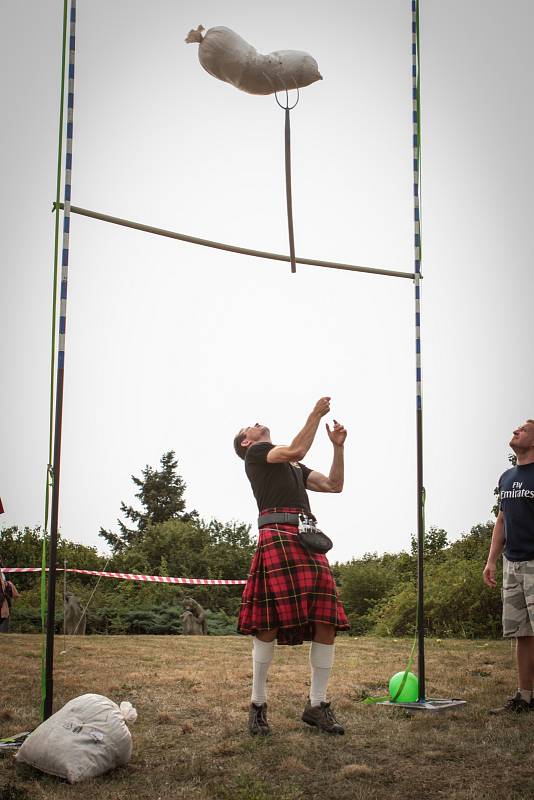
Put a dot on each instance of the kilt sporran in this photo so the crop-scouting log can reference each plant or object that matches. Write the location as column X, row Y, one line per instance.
column 310, row 537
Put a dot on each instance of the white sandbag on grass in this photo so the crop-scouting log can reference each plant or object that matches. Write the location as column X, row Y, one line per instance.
column 85, row 738
column 227, row 56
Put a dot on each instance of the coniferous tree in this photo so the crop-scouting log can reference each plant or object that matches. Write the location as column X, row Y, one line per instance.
column 161, row 494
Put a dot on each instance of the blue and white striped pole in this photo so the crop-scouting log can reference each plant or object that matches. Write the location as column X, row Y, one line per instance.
column 418, row 376
column 51, row 605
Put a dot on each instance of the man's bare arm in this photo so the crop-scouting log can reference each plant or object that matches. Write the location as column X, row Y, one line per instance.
column 303, row 440
column 317, row 482
column 496, row 548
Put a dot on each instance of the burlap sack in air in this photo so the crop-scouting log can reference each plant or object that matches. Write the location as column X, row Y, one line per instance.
column 85, row 738
column 227, row 56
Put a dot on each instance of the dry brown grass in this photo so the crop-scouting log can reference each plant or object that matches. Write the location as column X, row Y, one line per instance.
column 192, row 696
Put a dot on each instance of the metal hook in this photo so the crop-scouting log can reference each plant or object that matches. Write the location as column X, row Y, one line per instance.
column 287, row 107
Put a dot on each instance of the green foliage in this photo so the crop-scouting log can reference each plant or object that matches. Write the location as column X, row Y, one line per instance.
column 175, row 547
column 380, row 593
column 145, row 620
column 22, row 547
column 396, row 613
column 367, row 583
column 220, row 623
column 457, row 603
column 435, row 542
column 25, row 619
column 195, row 549
column 121, row 620
column 364, row 582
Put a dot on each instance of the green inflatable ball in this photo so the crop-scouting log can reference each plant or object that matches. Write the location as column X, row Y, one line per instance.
column 410, row 690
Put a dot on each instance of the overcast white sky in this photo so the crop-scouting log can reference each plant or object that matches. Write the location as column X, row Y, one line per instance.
column 172, row 346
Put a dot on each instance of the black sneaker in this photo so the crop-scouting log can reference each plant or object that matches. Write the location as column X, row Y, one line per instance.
column 322, row 717
column 515, row 705
column 257, row 720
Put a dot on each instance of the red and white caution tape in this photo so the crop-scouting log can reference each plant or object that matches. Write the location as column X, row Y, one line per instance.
column 132, row 576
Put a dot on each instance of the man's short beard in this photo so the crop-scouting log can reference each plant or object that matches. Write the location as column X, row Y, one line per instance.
column 521, row 450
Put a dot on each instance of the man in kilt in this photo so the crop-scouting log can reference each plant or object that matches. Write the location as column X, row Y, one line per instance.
column 290, row 594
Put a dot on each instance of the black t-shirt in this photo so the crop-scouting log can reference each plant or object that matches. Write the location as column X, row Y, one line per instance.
column 276, row 485
column 516, row 501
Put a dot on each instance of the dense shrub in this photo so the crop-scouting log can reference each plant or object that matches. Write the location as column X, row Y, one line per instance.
column 380, row 592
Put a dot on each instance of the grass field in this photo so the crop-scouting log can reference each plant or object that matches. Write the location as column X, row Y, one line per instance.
column 192, row 697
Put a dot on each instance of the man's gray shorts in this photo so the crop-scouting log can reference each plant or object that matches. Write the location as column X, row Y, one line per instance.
column 517, row 598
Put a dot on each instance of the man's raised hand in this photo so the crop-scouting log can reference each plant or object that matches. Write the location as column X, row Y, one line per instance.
column 338, row 435
column 322, row 406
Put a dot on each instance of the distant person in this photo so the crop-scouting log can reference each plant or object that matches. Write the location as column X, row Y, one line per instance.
column 8, row 594
column 290, row 593
column 513, row 537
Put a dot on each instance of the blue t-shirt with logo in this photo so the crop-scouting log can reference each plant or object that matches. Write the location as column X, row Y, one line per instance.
column 516, row 501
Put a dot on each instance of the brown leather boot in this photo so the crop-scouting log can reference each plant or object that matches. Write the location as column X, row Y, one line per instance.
column 322, row 717
column 257, row 720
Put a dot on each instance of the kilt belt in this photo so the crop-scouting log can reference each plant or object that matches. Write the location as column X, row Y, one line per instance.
column 282, row 518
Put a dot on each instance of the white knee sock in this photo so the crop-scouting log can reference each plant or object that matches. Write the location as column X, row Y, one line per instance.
column 262, row 655
column 321, row 660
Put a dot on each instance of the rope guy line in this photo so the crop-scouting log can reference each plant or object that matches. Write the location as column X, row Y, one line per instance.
column 233, row 248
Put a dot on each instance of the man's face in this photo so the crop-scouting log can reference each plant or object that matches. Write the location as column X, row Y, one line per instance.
column 255, row 433
column 523, row 438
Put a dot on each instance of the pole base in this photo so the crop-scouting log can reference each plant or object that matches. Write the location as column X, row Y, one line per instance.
column 432, row 705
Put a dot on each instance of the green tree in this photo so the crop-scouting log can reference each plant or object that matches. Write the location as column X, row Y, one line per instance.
column 435, row 542
column 194, row 549
column 173, row 547
column 161, row 495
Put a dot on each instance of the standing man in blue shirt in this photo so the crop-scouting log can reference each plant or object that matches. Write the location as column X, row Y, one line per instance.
column 513, row 537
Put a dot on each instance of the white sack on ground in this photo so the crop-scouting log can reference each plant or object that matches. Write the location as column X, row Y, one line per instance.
column 227, row 56
column 85, row 738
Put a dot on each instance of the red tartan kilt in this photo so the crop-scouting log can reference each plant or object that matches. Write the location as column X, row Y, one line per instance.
column 289, row 588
